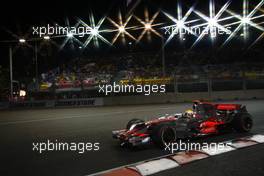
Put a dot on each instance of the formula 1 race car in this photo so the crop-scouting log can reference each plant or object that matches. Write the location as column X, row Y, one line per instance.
column 203, row 119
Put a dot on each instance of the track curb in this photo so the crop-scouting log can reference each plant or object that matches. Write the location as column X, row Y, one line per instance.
column 155, row 165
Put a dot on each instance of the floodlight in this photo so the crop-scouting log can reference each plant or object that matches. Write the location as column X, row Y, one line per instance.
column 245, row 20
column 69, row 35
column 180, row 24
column 121, row 29
column 212, row 22
column 94, row 32
column 46, row 37
column 147, row 26
column 22, row 40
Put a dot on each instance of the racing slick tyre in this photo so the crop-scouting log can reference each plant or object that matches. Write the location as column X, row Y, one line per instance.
column 132, row 122
column 243, row 123
column 163, row 134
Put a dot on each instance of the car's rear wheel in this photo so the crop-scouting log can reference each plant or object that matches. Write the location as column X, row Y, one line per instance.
column 243, row 123
column 132, row 122
column 162, row 135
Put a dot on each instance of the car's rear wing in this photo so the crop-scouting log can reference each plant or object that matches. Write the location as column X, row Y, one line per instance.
column 228, row 107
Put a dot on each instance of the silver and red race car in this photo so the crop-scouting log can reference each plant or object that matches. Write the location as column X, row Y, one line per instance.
column 204, row 118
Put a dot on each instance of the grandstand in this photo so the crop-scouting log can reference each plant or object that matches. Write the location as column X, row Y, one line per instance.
column 80, row 77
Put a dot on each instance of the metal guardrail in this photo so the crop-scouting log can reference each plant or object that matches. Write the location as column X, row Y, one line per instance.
column 53, row 103
column 209, row 83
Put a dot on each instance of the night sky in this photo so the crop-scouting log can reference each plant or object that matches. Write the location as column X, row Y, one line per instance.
column 18, row 17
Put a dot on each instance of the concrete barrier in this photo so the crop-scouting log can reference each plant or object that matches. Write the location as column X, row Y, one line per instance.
column 79, row 102
column 139, row 99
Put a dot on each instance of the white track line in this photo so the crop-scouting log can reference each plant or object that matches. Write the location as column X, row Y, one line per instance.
column 155, row 166
column 80, row 116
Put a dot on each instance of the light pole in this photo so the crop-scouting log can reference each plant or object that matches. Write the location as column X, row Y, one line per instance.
column 163, row 56
column 36, row 65
column 11, row 71
column 11, row 66
column 47, row 38
column 22, row 41
column 148, row 27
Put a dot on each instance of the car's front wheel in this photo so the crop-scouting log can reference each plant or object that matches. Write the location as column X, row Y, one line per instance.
column 163, row 134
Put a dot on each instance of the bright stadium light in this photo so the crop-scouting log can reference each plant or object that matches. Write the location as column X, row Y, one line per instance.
column 22, row 40
column 262, row 35
column 147, row 26
column 121, row 29
column 94, row 32
column 245, row 20
column 69, row 38
column 46, row 37
column 180, row 23
column 212, row 21
column 69, row 35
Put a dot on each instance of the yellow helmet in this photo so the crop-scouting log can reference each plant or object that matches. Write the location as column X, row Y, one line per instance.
column 189, row 113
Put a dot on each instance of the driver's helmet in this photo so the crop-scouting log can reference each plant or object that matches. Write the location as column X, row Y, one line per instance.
column 195, row 104
column 189, row 113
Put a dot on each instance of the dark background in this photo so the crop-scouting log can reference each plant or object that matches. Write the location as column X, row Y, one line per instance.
column 18, row 17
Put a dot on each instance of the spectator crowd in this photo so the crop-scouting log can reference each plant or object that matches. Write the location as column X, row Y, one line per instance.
column 87, row 73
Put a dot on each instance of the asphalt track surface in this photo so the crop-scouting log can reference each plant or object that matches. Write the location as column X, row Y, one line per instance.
column 20, row 128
